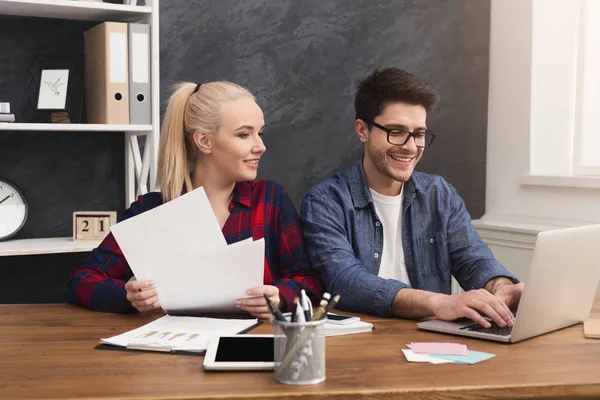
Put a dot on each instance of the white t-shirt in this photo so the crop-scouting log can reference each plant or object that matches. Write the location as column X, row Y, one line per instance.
column 389, row 210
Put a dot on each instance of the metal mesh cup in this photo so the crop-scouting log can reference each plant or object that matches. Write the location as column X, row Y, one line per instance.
column 299, row 352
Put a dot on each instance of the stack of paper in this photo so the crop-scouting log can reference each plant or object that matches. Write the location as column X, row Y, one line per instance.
column 179, row 245
column 441, row 353
column 179, row 333
column 356, row 327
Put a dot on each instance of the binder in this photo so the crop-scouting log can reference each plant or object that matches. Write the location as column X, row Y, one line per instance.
column 140, row 94
column 106, row 74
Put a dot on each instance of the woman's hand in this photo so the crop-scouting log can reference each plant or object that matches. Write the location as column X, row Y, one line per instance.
column 256, row 304
column 142, row 295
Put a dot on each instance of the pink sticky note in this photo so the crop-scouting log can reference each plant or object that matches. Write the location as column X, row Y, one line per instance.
column 439, row 348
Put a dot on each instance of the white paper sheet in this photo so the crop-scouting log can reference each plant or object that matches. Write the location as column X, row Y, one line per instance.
column 211, row 282
column 179, row 333
column 186, row 225
column 413, row 357
column 356, row 327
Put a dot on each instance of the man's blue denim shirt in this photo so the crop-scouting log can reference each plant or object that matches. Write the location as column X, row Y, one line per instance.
column 344, row 238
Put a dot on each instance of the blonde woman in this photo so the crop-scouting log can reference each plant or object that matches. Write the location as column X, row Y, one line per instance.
column 215, row 131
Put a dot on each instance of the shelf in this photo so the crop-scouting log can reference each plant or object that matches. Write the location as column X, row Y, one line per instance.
column 22, row 247
column 73, row 127
column 72, row 9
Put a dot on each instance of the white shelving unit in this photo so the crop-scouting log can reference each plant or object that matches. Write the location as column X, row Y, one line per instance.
column 138, row 169
column 74, row 127
column 74, row 9
column 21, row 247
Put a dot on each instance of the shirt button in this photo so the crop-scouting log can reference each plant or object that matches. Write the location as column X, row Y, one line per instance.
column 431, row 241
column 377, row 223
column 376, row 255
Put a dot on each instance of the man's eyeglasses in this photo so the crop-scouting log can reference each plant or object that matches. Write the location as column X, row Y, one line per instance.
column 400, row 137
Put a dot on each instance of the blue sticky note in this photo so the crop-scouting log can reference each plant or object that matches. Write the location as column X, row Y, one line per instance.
column 472, row 357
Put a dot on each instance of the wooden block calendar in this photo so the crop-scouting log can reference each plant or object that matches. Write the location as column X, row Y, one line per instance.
column 92, row 225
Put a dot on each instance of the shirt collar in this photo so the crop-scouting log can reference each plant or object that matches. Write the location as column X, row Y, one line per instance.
column 242, row 193
column 359, row 189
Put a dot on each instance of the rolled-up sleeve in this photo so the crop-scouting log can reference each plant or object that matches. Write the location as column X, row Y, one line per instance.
column 473, row 263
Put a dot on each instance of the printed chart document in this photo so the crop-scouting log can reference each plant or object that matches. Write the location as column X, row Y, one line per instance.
column 172, row 334
column 179, row 245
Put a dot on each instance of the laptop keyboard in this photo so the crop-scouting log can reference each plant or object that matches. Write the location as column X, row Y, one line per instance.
column 494, row 329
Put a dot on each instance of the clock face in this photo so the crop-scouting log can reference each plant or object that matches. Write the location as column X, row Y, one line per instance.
column 13, row 209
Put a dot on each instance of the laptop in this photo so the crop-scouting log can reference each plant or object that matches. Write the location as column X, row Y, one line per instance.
column 559, row 292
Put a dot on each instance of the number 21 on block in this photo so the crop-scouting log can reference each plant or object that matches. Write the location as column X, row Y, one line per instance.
column 92, row 225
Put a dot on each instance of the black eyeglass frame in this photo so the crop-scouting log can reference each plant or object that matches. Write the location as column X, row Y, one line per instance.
column 410, row 134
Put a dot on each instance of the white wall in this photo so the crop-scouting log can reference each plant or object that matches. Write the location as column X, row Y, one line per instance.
column 512, row 119
column 528, row 102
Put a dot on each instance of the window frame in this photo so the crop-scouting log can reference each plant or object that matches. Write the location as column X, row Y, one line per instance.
column 586, row 73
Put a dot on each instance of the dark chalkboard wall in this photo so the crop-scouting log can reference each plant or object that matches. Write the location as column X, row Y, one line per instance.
column 302, row 60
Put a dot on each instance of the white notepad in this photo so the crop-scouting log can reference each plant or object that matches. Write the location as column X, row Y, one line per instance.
column 356, row 327
column 172, row 334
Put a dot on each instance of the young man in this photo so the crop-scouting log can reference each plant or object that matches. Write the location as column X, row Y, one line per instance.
column 389, row 239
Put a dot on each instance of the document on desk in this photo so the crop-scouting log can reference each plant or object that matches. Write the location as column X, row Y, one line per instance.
column 172, row 334
column 184, row 226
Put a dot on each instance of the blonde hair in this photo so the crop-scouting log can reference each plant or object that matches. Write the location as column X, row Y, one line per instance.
column 189, row 111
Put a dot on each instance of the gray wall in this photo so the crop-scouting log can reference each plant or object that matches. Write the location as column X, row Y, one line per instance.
column 302, row 59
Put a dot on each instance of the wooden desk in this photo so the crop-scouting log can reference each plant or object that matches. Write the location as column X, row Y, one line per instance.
column 46, row 351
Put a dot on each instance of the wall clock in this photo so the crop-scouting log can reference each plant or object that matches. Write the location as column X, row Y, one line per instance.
column 13, row 209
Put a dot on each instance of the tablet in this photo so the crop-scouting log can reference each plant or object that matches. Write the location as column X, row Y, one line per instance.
column 240, row 352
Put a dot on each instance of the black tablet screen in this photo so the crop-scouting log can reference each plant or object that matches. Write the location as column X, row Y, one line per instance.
column 245, row 349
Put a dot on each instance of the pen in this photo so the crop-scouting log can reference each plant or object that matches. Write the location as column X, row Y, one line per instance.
column 300, row 312
column 293, row 316
column 332, row 303
column 305, row 301
column 322, row 307
column 276, row 312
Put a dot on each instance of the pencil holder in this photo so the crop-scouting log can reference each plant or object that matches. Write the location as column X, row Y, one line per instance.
column 299, row 352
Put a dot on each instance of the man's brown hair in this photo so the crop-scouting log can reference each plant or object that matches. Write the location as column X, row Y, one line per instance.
column 390, row 85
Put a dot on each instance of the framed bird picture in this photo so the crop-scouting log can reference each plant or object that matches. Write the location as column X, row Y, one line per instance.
column 54, row 85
